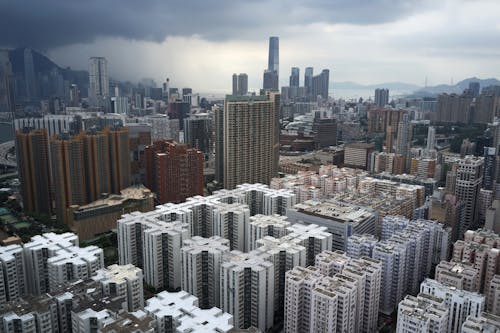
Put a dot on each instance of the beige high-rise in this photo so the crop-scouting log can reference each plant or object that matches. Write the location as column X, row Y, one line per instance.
column 250, row 135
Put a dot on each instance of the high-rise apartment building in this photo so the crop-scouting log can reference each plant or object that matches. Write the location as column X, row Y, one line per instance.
column 250, row 139
column 381, row 97
column 98, row 80
column 174, row 171
column 431, row 137
column 404, row 137
column 460, row 303
column 423, row 314
column 247, row 289
column 454, row 108
column 320, row 84
column 261, row 226
column 12, row 274
column 123, row 281
column 469, row 177
column 198, row 132
column 34, row 170
column 6, row 83
column 240, row 84
column 201, row 262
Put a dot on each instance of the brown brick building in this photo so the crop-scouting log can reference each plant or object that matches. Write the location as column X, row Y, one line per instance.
column 174, row 171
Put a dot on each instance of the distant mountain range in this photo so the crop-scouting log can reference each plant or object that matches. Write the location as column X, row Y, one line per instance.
column 419, row 91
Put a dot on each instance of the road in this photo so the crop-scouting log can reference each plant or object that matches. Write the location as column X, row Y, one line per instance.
column 4, row 150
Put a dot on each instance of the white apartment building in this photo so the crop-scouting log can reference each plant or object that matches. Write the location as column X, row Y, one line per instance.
column 360, row 245
column 123, row 280
column 422, row 314
column 90, row 320
column 492, row 293
column 36, row 254
column 460, row 303
column 179, row 312
column 314, row 238
column 393, row 283
column 201, row 263
column 484, row 323
column 162, row 254
column 391, row 224
column 12, row 273
column 230, row 221
column 331, row 262
column 266, row 225
column 73, row 264
column 247, row 289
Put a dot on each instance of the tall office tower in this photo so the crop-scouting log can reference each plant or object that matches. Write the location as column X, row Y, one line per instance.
column 6, row 83
column 431, row 137
column 250, row 142
column 126, row 281
column 174, row 171
column 467, row 186
column 261, row 226
column 162, row 254
column 295, row 77
column 474, row 88
column 30, row 76
column 98, row 80
column 461, row 303
column 247, row 289
column 97, row 164
column 314, row 238
column 404, row 138
column 308, row 75
column 230, row 221
column 201, row 261
column 235, row 84
column 274, row 57
column 381, row 97
column 271, row 75
column 68, row 173
column 12, row 274
column 285, row 254
column 422, row 314
column 393, row 257
column 320, row 84
column 490, row 164
column 32, row 149
column 178, row 109
column 242, row 84
column 198, row 132
column 361, row 245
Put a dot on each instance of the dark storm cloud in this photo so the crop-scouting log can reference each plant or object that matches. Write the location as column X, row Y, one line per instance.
column 45, row 24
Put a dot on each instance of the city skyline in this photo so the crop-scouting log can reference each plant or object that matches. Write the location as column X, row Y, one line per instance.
column 407, row 42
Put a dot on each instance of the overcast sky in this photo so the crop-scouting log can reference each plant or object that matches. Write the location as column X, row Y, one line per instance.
column 200, row 43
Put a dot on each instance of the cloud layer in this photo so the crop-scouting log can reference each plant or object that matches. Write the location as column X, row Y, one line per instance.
column 45, row 24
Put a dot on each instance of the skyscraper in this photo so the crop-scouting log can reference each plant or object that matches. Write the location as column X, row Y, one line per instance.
column 295, row 77
column 98, row 80
column 308, row 75
column 320, row 84
column 119, row 158
column 431, row 137
column 240, row 84
column 271, row 75
column 198, row 132
column 34, row 170
column 381, row 97
column 6, row 88
column 273, row 61
column 250, row 134
column 29, row 75
column 469, row 177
